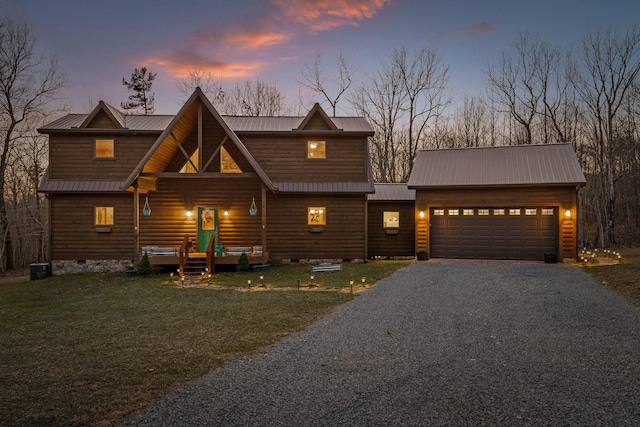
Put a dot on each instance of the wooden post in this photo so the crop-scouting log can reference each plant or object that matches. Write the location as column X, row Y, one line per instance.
column 136, row 222
column 264, row 223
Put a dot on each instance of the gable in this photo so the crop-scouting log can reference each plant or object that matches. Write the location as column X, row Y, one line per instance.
column 101, row 121
column 197, row 126
column 317, row 119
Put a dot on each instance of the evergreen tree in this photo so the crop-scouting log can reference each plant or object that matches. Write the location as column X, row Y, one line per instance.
column 140, row 84
column 243, row 263
column 144, row 267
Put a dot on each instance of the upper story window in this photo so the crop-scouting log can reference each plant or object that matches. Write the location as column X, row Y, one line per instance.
column 227, row 164
column 316, row 150
column 391, row 219
column 105, row 149
column 104, row 215
column 191, row 165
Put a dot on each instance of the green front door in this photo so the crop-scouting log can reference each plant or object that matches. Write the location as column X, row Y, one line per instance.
column 207, row 227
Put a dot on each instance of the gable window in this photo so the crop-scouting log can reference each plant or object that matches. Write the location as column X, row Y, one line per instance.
column 316, row 216
column 104, row 215
column 227, row 164
column 191, row 165
column 391, row 219
column 105, row 149
column 316, row 150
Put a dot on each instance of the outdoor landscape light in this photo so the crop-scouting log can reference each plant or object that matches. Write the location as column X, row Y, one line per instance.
column 262, row 280
column 249, row 283
column 311, row 277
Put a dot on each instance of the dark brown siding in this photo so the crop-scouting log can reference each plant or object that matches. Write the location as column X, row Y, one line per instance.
column 561, row 197
column 391, row 245
column 289, row 236
column 102, row 121
column 285, row 159
column 168, row 224
column 72, row 157
column 74, row 235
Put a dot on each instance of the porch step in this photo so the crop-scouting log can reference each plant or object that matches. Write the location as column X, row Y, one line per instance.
column 195, row 266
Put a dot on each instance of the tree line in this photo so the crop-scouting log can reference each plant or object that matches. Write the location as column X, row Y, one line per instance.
column 537, row 93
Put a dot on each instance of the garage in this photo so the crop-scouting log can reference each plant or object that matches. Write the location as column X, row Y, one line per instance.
column 494, row 233
column 510, row 202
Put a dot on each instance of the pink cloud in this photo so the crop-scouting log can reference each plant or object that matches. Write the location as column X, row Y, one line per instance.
column 466, row 32
column 324, row 15
column 224, row 51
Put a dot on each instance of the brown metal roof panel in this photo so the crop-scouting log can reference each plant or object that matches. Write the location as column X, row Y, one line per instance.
column 495, row 166
column 392, row 192
column 78, row 186
column 324, row 187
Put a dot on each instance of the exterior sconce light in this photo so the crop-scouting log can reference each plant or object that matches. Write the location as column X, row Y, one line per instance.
column 567, row 213
column 189, row 213
column 421, row 214
column 226, row 213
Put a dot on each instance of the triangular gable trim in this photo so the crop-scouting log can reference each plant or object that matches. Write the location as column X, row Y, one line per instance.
column 114, row 115
column 198, row 94
column 317, row 109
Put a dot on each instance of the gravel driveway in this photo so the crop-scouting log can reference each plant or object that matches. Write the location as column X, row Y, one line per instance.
column 438, row 343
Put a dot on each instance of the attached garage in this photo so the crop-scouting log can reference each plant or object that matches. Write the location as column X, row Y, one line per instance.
column 515, row 202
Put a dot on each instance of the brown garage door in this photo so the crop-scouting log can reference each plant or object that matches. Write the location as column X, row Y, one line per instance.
column 494, row 233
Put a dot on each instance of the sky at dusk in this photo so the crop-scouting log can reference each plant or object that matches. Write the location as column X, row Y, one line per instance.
column 100, row 42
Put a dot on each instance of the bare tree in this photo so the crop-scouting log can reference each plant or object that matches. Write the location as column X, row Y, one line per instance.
column 28, row 85
column 424, row 82
column 253, row 98
column 604, row 79
column 203, row 79
column 314, row 79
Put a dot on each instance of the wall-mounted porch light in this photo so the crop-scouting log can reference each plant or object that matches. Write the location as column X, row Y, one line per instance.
column 226, row 213
column 567, row 213
column 189, row 214
column 421, row 214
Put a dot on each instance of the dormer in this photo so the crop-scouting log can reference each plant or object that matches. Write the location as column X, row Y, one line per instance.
column 317, row 119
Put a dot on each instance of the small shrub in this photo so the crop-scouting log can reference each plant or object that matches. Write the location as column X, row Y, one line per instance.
column 243, row 263
column 144, row 267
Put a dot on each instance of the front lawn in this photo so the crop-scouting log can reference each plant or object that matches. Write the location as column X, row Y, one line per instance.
column 623, row 278
column 91, row 349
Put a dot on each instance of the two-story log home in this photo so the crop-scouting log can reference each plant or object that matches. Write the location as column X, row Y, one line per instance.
column 206, row 187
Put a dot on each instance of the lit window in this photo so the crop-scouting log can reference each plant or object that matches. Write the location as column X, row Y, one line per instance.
column 438, row 212
column 454, row 212
column 391, row 219
column 104, row 215
column 227, row 164
column 547, row 211
column 483, row 212
column 467, row 212
column 498, row 212
column 191, row 165
column 530, row 212
column 514, row 211
column 317, row 216
column 105, row 148
column 315, row 150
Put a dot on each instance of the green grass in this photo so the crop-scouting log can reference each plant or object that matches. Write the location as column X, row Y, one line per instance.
column 623, row 278
column 90, row 349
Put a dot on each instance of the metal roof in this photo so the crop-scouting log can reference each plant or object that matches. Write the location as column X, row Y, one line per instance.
column 48, row 185
column 392, row 192
column 549, row 164
column 236, row 123
column 324, row 187
column 130, row 122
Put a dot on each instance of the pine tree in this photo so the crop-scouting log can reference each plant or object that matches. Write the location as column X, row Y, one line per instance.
column 140, row 85
column 243, row 263
column 144, row 267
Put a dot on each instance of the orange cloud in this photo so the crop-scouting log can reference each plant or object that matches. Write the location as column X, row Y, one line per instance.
column 324, row 15
column 179, row 66
column 467, row 32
